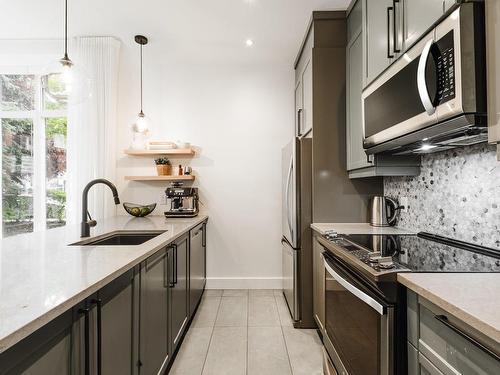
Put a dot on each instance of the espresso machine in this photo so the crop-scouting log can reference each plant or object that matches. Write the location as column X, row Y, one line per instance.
column 183, row 201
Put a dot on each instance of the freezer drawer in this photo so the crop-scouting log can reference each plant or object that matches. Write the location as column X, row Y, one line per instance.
column 290, row 279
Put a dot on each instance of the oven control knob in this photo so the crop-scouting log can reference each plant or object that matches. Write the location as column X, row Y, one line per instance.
column 374, row 256
column 331, row 235
column 385, row 262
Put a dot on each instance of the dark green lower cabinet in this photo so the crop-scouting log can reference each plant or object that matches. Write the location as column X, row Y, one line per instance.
column 197, row 266
column 117, row 352
column 154, row 326
column 47, row 351
column 179, row 290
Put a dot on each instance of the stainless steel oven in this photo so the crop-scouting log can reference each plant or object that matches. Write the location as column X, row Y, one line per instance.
column 359, row 324
column 434, row 96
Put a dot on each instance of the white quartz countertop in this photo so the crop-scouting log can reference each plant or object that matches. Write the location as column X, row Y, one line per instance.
column 41, row 276
column 469, row 297
column 357, row 228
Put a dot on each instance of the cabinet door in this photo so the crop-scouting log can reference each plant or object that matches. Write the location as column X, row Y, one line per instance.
column 47, row 351
column 298, row 108
column 197, row 256
column 356, row 156
column 306, row 122
column 119, row 326
column 154, row 332
column 379, row 36
column 179, row 290
column 318, row 284
column 420, row 16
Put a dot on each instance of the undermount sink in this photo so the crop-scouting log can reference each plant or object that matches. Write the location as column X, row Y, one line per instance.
column 120, row 238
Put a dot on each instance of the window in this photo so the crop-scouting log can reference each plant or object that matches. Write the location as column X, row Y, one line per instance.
column 33, row 114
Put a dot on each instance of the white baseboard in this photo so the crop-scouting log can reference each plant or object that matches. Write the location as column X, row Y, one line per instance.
column 244, row 283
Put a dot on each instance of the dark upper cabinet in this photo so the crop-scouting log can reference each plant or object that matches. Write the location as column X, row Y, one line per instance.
column 197, row 266
column 379, row 36
column 359, row 165
column 179, row 290
column 392, row 26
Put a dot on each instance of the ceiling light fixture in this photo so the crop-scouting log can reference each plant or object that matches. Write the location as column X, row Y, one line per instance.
column 249, row 42
column 141, row 123
column 427, row 146
column 76, row 85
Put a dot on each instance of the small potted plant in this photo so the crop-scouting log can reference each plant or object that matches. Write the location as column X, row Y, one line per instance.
column 163, row 166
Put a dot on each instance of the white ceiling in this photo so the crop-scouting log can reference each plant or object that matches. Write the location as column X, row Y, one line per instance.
column 188, row 29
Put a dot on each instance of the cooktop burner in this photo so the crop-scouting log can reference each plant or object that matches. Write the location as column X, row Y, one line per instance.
column 420, row 253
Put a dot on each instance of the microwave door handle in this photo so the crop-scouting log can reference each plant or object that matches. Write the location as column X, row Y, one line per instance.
column 421, row 84
column 355, row 291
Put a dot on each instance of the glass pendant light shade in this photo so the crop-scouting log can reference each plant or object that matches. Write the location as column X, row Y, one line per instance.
column 72, row 84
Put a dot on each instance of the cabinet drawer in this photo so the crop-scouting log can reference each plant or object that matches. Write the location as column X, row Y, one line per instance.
column 450, row 351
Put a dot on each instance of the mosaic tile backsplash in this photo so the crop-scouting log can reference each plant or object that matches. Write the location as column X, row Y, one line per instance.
column 457, row 195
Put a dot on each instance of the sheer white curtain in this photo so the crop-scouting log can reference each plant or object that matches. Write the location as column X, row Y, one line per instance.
column 92, row 128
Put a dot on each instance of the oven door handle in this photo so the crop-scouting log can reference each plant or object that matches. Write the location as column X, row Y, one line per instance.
column 421, row 83
column 355, row 291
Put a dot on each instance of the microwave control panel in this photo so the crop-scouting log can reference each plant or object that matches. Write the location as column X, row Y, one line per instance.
column 445, row 66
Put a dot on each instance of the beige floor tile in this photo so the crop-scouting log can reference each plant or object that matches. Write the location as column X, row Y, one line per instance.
column 235, row 292
column 227, row 352
column 284, row 313
column 267, row 352
column 263, row 312
column 207, row 312
column 232, row 312
column 304, row 351
column 192, row 353
column 213, row 293
column 260, row 292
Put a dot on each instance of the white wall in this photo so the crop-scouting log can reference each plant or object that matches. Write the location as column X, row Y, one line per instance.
column 239, row 116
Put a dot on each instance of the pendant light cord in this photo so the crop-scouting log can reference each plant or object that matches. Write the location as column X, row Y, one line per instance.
column 141, row 77
column 66, row 29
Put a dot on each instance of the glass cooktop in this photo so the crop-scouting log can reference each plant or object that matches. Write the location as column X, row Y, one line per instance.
column 431, row 253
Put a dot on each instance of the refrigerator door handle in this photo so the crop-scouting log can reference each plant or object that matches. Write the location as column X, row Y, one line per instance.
column 287, row 195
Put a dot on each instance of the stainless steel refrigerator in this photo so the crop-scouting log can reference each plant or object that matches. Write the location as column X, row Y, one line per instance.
column 296, row 240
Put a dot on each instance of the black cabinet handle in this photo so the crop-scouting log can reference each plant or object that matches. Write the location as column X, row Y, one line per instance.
column 389, row 54
column 444, row 319
column 98, row 302
column 86, row 311
column 299, row 122
column 395, row 36
column 204, row 233
column 175, row 264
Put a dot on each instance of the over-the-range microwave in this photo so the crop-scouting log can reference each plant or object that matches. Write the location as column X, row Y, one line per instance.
column 434, row 96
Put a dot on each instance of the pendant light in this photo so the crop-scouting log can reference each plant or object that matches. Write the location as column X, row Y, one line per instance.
column 76, row 85
column 141, row 125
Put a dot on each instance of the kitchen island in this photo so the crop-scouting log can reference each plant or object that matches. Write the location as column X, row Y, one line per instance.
column 42, row 276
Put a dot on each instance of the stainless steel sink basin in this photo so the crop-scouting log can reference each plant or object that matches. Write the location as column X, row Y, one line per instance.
column 120, row 238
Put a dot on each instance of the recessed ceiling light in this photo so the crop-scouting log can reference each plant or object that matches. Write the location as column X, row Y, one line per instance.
column 426, row 147
column 249, row 42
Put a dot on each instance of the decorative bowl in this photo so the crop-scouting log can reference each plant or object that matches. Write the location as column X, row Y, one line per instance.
column 139, row 210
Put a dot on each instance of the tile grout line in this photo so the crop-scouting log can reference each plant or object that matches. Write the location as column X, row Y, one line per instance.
column 284, row 340
column 211, row 336
column 248, row 314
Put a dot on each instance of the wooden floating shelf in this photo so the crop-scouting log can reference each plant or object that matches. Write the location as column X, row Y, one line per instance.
column 160, row 178
column 172, row 152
